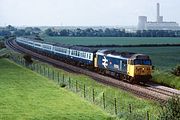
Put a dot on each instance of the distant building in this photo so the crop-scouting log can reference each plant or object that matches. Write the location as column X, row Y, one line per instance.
column 143, row 24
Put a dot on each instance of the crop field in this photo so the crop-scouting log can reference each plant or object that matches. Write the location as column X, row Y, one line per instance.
column 26, row 95
column 164, row 58
column 112, row 40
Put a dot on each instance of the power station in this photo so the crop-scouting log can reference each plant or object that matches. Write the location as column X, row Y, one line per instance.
column 143, row 24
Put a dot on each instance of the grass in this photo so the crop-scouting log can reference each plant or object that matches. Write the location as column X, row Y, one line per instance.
column 26, row 95
column 124, row 99
column 167, row 79
column 139, row 105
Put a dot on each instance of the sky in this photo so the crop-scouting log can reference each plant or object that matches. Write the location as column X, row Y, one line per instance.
column 84, row 12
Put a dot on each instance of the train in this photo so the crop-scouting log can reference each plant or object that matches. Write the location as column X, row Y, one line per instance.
column 127, row 66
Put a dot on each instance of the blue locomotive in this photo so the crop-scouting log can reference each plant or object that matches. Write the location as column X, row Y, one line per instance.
column 128, row 66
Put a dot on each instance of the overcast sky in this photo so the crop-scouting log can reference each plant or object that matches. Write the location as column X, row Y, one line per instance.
column 84, row 12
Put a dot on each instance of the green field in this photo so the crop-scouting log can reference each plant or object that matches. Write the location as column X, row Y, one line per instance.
column 112, row 40
column 162, row 57
column 26, row 95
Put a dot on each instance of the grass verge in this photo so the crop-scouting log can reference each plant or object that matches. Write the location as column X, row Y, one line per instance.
column 128, row 106
column 166, row 78
column 26, row 95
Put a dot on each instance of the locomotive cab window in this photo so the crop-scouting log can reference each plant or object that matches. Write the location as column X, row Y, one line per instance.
column 142, row 62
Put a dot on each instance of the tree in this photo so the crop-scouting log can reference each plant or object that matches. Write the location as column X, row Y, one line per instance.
column 49, row 32
column 64, row 32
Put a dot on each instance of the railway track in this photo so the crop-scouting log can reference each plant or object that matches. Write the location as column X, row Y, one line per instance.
column 163, row 89
column 149, row 91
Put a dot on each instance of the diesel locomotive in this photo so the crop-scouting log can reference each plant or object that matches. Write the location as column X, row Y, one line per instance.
column 127, row 66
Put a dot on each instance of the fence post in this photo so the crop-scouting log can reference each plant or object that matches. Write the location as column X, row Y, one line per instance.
column 37, row 68
column 115, row 106
column 40, row 69
column 48, row 72
column 147, row 115
column 44, row 71
column 84, row 90
column 69, row 82
column 58, row 77
column 130, row 108
column 63, row 78
column 53, row 74
column 93, row 94
column 76, row 85
column 103, row 100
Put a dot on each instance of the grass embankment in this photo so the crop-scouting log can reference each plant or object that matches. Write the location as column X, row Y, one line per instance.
column 124, row 99
column 27, row 95
column 166, row 78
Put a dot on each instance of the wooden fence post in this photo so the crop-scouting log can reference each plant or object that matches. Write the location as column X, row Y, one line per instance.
column 84, row 90
column 53, row 74
column 130, row 108
column 76, row 86
column 63, row 78
column 36, row 67
column 58, row 78
column 39, row 69
column 147, row 115
column 93, row 94
column 104, row 101
column 44, row 71
column 48, row 73
column 69, row 82
column 115, row 106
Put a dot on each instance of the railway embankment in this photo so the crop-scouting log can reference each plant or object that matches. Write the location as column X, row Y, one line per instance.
column 28, row 95
column 166, row 78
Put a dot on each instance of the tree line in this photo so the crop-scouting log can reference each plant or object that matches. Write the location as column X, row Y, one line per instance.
column 12, row 31
column 111, row 32
column 88, row 32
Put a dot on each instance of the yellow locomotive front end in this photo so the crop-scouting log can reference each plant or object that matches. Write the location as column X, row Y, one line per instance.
column 139, row 68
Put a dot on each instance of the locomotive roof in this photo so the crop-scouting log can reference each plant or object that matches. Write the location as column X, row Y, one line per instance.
column 122, row 55
column 87, row 49
column 116, row 53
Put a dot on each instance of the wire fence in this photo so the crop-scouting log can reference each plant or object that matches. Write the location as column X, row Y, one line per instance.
column 109, row 102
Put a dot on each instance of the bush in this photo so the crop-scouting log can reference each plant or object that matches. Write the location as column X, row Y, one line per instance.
column 167, row 79
column 171, row 110
column 176, row 71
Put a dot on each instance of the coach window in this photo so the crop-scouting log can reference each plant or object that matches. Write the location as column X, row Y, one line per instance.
column 84, row 54
column 89, row 56
column 78, row 53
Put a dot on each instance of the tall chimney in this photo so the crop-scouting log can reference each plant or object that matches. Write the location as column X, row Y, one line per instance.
column 158, row 12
